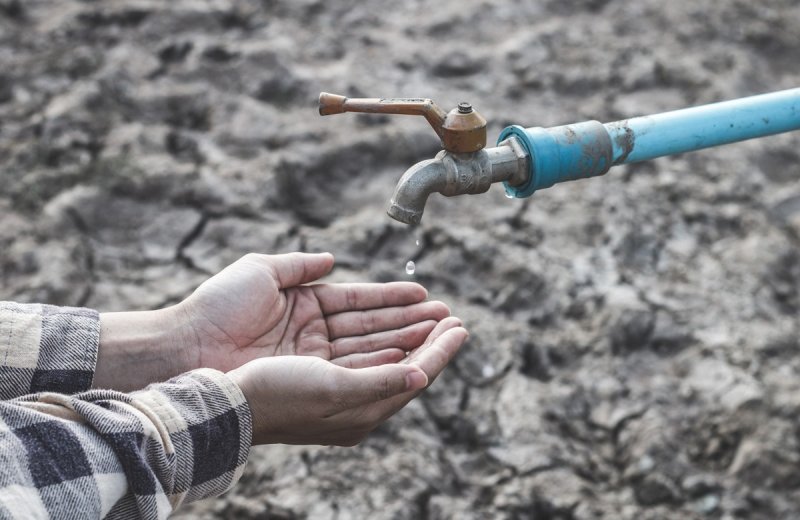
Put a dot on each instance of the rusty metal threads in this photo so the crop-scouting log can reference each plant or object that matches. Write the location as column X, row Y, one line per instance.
column 464, row 108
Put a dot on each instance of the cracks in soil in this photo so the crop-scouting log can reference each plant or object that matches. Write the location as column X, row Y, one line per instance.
column 187, row 240
column 194, row 234
column 89, row 263
column 422, row 502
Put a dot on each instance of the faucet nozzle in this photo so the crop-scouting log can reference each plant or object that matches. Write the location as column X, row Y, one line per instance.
column 456, row 174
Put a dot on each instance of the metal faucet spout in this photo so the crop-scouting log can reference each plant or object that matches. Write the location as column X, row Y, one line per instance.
column 411, row 193
column 457, row 174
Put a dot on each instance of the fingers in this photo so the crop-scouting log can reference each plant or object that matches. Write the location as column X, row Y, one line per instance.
column 365, row 386
column 406, row 338
column 434, row 357
column 441, row 327
column 445, row 341
column 335, row 298
column 370, row 359
column 298, row 268
column 359, row 323
column 442, row 345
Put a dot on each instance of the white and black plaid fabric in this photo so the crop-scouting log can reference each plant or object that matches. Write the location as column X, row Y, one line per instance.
column 102, row 453
column 46, row 348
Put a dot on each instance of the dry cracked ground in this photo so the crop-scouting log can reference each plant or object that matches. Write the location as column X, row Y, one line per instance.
column 634, row 348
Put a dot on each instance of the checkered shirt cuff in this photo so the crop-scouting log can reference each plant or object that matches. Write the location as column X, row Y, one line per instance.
column 46, row 349
column 109, row 454
column 210, row 431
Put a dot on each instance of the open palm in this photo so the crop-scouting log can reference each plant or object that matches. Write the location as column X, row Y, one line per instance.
column 259, row 306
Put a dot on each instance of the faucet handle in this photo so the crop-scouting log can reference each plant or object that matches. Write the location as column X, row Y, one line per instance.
column 335, row 104
column 462, row 130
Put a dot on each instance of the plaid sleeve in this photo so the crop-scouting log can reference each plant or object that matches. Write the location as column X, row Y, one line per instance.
column 109, row 454
column 46, row 349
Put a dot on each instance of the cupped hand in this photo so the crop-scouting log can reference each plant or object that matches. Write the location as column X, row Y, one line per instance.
column 260, row 306
column 307, row 400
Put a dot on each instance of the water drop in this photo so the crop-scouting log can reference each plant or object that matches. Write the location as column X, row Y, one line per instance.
column 410, row 267
column 509, row 195
column 417, row 242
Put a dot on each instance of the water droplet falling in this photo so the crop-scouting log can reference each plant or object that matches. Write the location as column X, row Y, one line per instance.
column 417, row 242
column 509, row 195
column 410, row 267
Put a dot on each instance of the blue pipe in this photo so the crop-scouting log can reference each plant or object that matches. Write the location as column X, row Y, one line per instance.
column 589, row 149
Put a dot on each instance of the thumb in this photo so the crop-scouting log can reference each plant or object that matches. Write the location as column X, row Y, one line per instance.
column 373, row 384
column 298, row 268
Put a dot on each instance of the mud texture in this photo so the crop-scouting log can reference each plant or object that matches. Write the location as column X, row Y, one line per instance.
column 634, row 350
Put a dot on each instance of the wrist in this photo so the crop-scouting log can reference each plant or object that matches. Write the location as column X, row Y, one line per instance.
column 242, row 377
column 239, row 379
column 142, row 347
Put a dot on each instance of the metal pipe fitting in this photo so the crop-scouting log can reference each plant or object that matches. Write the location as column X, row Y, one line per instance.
column 454, row 174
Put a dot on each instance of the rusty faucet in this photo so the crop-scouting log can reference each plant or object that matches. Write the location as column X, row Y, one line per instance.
column 465, row 166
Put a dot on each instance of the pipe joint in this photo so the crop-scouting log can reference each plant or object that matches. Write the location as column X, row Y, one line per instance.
column 466, row 173
column 454, row 174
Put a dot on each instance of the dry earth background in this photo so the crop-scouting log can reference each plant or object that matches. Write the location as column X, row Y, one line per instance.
column 634, row 348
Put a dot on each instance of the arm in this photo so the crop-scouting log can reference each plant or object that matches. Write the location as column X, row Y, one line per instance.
column 140, row 454
column 143, row 454
column 260, row 306
column 142, row 347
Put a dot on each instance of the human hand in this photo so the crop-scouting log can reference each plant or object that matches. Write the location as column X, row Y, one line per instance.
column 259, row 307
column 307, row 400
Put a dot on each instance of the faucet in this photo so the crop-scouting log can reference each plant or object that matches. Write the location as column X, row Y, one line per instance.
column 463, row 167
column 528, row 159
